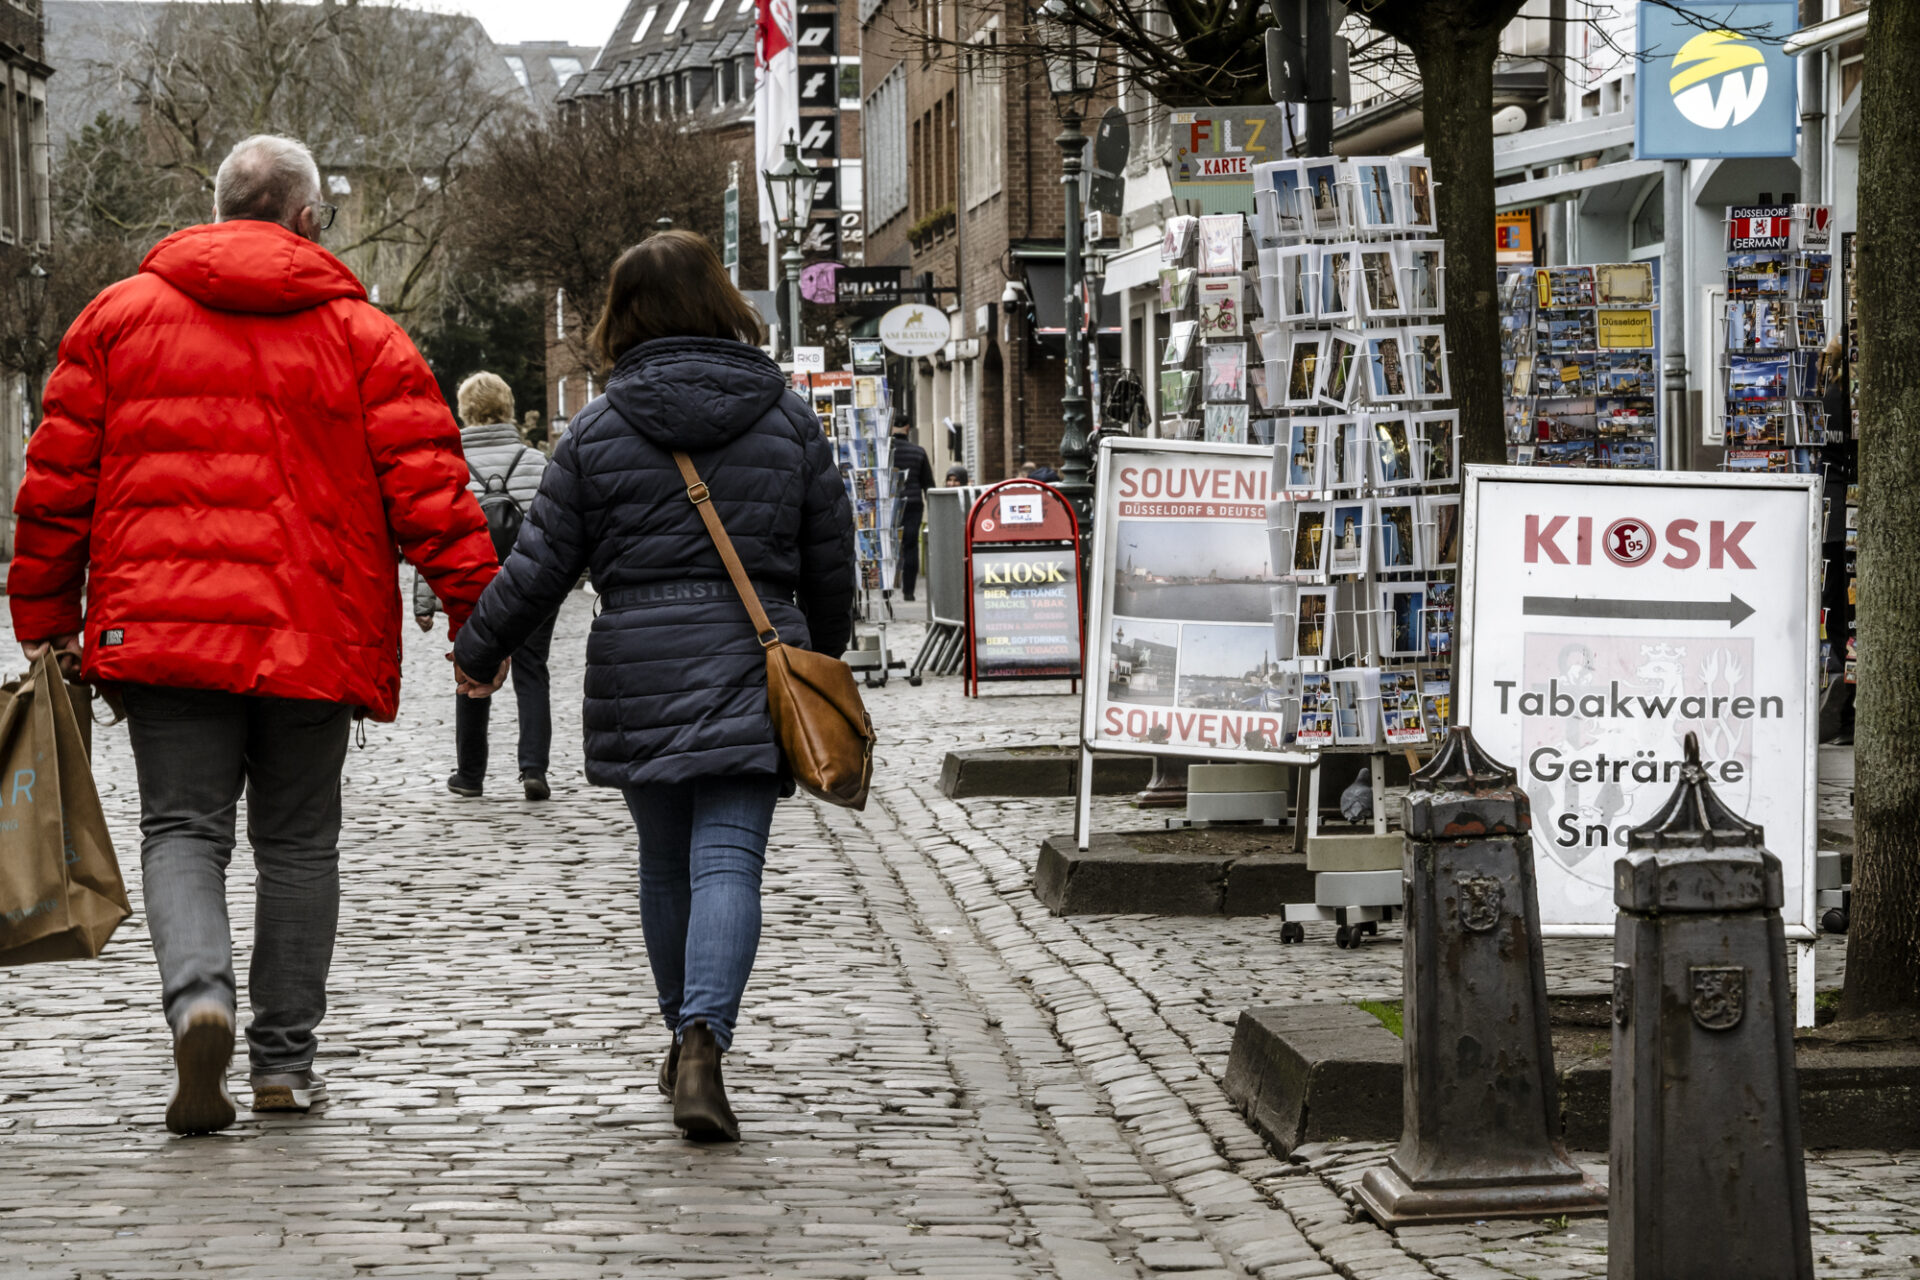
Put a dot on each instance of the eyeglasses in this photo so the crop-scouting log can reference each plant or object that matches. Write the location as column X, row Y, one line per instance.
column 323, row 216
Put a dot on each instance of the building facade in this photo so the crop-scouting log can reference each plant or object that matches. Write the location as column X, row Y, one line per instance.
column 964, row 197
column 26, row 217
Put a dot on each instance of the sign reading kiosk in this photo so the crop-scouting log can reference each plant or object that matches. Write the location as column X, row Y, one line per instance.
column 1607, row 615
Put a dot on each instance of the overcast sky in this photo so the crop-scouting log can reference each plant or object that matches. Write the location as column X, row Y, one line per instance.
column 514, row 21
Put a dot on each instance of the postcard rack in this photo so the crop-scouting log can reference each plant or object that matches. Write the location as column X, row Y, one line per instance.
column 1364, row 528
column 863, row 450
column 1577, row 351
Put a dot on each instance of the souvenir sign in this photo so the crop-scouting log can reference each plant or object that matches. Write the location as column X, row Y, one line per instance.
column 1183, row 658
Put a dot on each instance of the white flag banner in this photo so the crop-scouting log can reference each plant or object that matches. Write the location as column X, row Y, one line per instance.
column 776, row 98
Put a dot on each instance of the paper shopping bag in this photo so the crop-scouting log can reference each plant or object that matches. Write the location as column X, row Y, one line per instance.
column 61, row 895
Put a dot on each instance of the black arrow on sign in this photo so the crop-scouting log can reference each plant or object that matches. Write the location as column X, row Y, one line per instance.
column 1733, row 609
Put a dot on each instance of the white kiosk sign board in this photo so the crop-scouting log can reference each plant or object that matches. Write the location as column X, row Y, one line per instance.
column 1606, row 615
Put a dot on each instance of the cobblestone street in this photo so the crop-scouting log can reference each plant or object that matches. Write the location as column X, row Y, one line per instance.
column 935, row 1077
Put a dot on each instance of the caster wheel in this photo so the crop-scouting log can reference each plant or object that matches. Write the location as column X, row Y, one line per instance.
column 1291, row 933
column 1370, row 929
column 1343, row 937
column 1834, row 920
column 914, row 681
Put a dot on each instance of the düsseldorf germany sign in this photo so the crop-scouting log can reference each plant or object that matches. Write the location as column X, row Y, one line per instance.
column 1606, row 616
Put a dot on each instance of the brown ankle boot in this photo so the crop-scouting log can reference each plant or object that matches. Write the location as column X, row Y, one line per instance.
column 699, row 1098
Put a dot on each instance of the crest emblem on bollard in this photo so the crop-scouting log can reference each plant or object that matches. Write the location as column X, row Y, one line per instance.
column 1481, row 898
column 1719, row 995
column 1622, row 994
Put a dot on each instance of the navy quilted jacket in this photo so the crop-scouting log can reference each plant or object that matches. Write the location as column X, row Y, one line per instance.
column 676, row 683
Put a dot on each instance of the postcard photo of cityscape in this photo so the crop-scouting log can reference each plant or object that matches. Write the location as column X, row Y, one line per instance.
column 1228, row 667
column 1142, row 660
column 1196, row 570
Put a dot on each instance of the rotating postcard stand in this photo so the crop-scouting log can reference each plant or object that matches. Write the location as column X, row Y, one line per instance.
column 863, row 448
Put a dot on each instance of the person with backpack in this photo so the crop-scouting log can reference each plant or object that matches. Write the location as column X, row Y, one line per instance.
column 505, row 477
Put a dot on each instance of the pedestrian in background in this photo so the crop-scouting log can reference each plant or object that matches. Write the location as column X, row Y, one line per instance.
column 505, row 474
column 915, row 469
column 676, row 709
column 956, row 476
column 234, row 444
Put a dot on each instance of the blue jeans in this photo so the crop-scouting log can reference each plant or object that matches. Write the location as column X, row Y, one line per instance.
column 702, row 845
column 530, row 684
column 195, row 751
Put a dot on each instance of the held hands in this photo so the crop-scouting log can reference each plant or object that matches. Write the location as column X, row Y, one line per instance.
column 67, row 652
column 468, row 687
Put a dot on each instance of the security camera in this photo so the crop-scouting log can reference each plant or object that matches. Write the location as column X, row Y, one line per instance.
column 1012, row 296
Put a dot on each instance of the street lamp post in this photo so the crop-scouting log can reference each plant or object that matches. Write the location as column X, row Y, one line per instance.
column 1072, row 69
column 790, row 190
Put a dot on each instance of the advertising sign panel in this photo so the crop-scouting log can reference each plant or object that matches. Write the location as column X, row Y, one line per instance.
column 1606, row 616
column 1180, row 620
column 1026, row 605
column 1218, row 146
column 1714, row 81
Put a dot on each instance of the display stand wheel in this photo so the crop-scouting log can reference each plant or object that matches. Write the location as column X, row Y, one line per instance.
column 1344, row 937
column 1834, row 920
column 915, row 681
column 1292, row 931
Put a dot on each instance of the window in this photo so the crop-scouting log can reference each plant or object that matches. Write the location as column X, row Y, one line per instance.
column 885, row 118
column 560, row 317
column 564, row 69
column 746, row 6
column 519, row 68
column 722, row 78
column 985, row 119
column 640, row 33
column 713, row 11
column 679, row 12
column 9, row 166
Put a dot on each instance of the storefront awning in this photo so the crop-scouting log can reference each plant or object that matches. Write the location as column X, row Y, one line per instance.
column 1134, row 268
column 1559, row 186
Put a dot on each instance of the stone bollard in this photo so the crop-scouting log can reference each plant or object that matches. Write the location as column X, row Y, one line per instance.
column 1707, row 1173
column 1480, row 1136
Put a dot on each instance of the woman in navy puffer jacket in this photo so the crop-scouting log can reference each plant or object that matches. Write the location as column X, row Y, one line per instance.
column 676, row 693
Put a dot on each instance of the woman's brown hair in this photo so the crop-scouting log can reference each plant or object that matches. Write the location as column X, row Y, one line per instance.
column 670, row 285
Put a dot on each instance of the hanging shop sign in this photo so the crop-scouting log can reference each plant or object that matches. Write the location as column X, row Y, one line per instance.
column 1714, row 81
column 1182, row 658
column 914, row 329
column 1513, row 238
column 816, row 282
column 1607, row 616
column 1024, row 600
column 1219, row 146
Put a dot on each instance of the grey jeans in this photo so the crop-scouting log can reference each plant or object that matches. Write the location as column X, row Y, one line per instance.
column 195, row 751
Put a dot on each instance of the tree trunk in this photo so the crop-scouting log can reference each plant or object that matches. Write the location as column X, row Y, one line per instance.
column 1883, row 941
column 1456, row 77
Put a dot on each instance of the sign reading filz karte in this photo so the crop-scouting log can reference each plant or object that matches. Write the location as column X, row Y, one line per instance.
column 1606, row 616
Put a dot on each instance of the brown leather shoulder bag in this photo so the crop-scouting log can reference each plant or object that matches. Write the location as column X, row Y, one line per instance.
column 819, row 720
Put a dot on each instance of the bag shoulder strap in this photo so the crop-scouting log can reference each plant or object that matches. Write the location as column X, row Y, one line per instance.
column 702, row 500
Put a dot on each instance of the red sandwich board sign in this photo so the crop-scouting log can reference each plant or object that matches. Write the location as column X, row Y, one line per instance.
column 1025, row 619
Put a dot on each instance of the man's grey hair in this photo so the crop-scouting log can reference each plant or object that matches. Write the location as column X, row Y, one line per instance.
column 266, row 177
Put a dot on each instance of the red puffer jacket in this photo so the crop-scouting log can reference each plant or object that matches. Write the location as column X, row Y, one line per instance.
column 234, row 442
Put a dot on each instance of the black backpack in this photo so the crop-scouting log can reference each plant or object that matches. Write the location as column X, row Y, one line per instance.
column 503, row 514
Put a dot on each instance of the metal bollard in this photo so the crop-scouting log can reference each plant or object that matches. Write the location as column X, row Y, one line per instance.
column 1481, row 1132
column 1707, row 1172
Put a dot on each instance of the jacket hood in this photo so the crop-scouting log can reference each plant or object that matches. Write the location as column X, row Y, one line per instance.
column 258, row 267
column 694, row 393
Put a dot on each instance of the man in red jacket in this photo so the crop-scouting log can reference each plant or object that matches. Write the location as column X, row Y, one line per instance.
column 234, row 444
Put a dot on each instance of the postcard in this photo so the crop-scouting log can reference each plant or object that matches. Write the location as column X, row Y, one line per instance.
column 1348, row 526
column 1395, row 542
column 1373, row 180
column 1305, row 465
column 1401, row 712
column 1387, row 379
column 1225, row 366
column 1303, row 359
column 1337, row 292
column 1335, row 369
column 1309, row 538
column 1440, row 523
column 1379, row 278
column 1423, row 276
column 1392, row 450
column 1417, row 194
